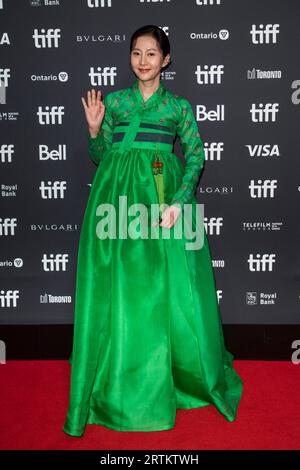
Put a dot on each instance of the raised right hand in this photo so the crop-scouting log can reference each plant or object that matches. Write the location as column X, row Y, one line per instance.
column 94, row 111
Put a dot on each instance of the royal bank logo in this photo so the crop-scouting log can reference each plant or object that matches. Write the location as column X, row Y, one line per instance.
column 9, row 190
column 209, row 74
column 263, row 298
column 102, row 76
column 264, row 34
column 251, row 298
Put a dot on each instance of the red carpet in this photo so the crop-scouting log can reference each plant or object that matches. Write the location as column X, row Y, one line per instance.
column 35, row 397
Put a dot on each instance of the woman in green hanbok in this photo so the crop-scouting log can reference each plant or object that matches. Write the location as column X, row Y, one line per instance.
column 147, row 328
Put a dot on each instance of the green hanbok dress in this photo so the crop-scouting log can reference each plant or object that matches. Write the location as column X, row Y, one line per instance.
column 147, row 328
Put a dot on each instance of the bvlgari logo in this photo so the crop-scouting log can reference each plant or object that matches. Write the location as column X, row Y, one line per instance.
column 113, row 38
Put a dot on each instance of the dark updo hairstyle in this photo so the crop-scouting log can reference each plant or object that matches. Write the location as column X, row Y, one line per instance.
column 157, row 33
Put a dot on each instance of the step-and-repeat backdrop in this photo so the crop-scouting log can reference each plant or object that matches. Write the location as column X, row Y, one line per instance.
column 236, row 61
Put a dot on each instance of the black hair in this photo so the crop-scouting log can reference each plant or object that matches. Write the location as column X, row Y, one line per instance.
column 157, row 33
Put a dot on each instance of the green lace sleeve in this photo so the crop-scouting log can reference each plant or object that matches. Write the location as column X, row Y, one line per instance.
column 102, row 142
column 193, row 150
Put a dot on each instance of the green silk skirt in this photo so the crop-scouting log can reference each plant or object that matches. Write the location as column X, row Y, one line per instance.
column 147, row 328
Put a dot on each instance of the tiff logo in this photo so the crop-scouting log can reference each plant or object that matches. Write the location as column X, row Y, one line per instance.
column 104, row 76
column 264, row 113
column 48, row 117
column 213, row 225
column 213, row 151
column 263, row 262
column 263, row 34
column 56, row 262
column 262, row 189
column 219, row 293
column 6, row 152
column 9, row 298
column 210, row 74
column 47, row 39
column 4, row 76
column 7, row 226
column 98, row 3
column 53, row 190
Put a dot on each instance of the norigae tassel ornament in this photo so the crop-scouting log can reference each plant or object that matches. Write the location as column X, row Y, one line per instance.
column 157, row 166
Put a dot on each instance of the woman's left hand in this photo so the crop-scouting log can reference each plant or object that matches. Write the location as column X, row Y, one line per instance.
column 170, row 216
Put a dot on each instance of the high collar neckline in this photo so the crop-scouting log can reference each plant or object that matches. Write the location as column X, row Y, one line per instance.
column 153, row 98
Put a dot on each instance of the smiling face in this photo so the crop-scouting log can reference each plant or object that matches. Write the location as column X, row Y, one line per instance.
column 147, row 58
